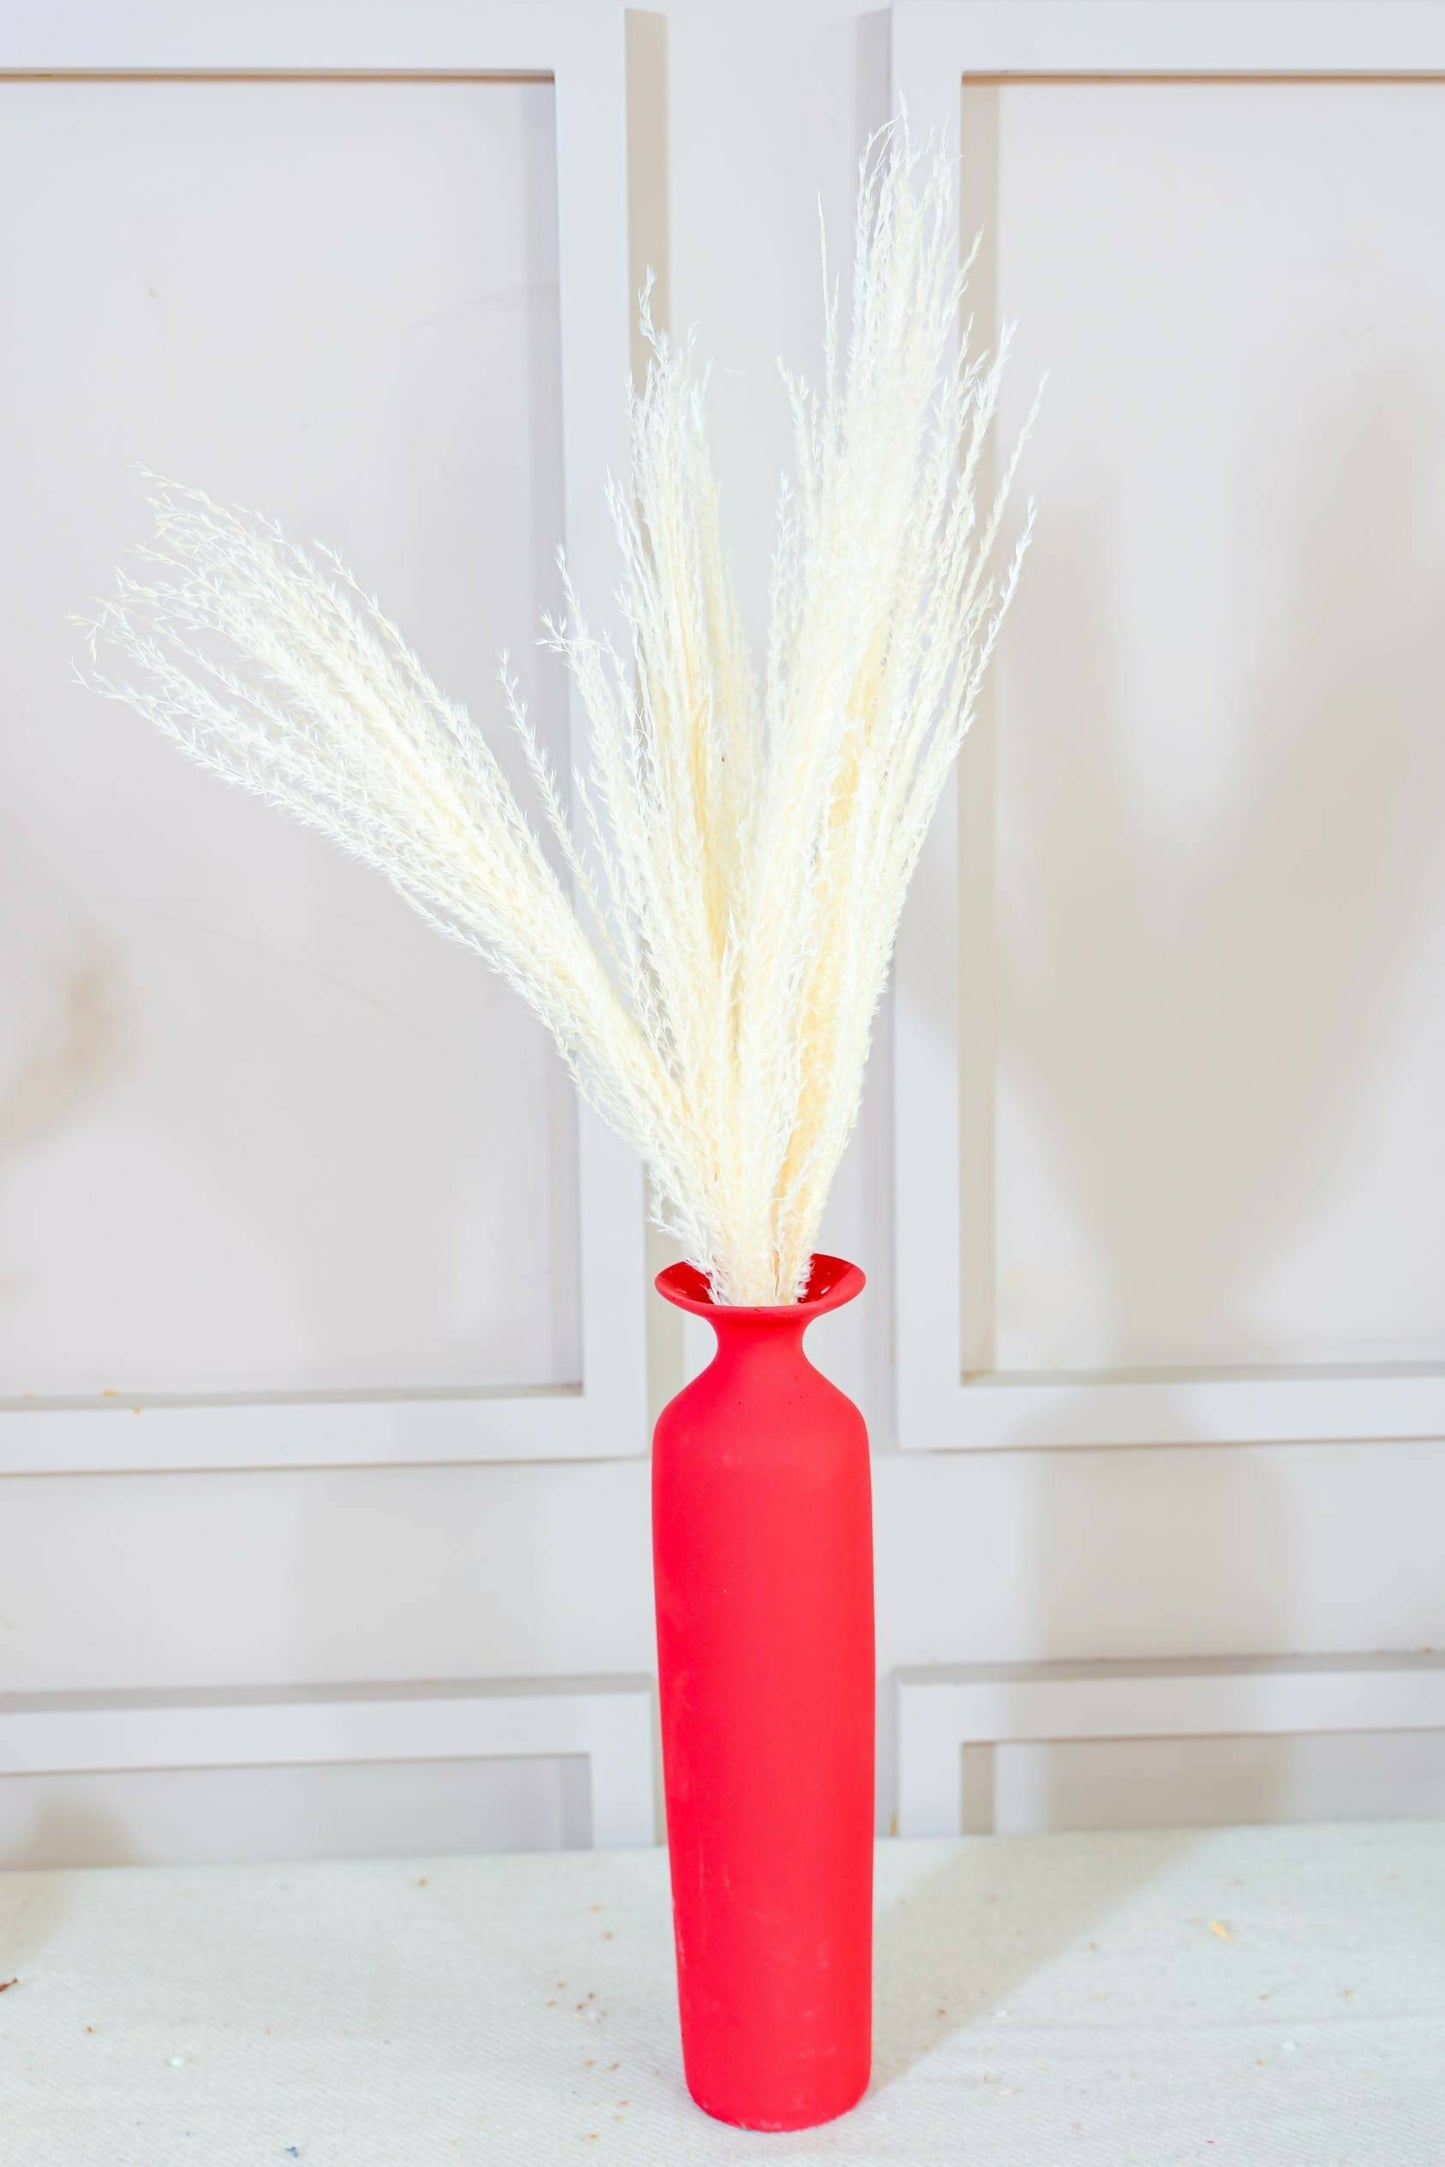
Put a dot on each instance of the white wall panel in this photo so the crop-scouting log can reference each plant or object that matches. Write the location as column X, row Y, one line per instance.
column 190, row 1768
column 152, row 1581
column 263, row 1130
column 1168, row 1039
column 1207, row 1782
column 1218, row 922
column 1161, row 1724
column 196, row 1816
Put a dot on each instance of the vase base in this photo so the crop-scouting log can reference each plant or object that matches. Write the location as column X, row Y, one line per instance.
column 801, row 2118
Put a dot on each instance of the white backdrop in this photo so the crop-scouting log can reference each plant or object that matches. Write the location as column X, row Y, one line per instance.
column 282, row 1139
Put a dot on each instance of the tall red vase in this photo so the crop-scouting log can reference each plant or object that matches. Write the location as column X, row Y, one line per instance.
column 763, row 1553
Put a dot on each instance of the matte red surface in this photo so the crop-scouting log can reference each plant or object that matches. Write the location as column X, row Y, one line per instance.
column 763, row 1552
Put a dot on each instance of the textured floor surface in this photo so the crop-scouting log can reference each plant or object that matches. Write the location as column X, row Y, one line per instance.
column 1247, row 1997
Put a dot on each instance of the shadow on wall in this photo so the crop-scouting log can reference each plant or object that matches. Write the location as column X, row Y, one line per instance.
column 1252, row 1023
column 1194, row 1053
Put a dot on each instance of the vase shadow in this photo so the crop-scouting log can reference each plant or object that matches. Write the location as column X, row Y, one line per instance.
column 951, row 1949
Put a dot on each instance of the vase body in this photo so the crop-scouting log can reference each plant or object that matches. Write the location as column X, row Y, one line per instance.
column 763, row 1559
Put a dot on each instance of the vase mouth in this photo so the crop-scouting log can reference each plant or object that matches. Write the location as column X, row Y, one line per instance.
column 832, row 1281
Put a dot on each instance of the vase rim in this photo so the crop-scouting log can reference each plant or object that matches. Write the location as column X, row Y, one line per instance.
column 832, row 1281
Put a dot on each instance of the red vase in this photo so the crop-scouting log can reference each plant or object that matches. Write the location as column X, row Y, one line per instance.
column 763, row 1553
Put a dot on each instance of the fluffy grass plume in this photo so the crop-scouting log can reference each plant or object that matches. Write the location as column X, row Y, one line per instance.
column 707, row 936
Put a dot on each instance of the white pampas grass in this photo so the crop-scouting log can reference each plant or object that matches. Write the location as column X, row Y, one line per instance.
column 709, row 943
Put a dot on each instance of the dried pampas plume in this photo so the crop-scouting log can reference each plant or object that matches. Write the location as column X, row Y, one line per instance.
column 709, row 939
